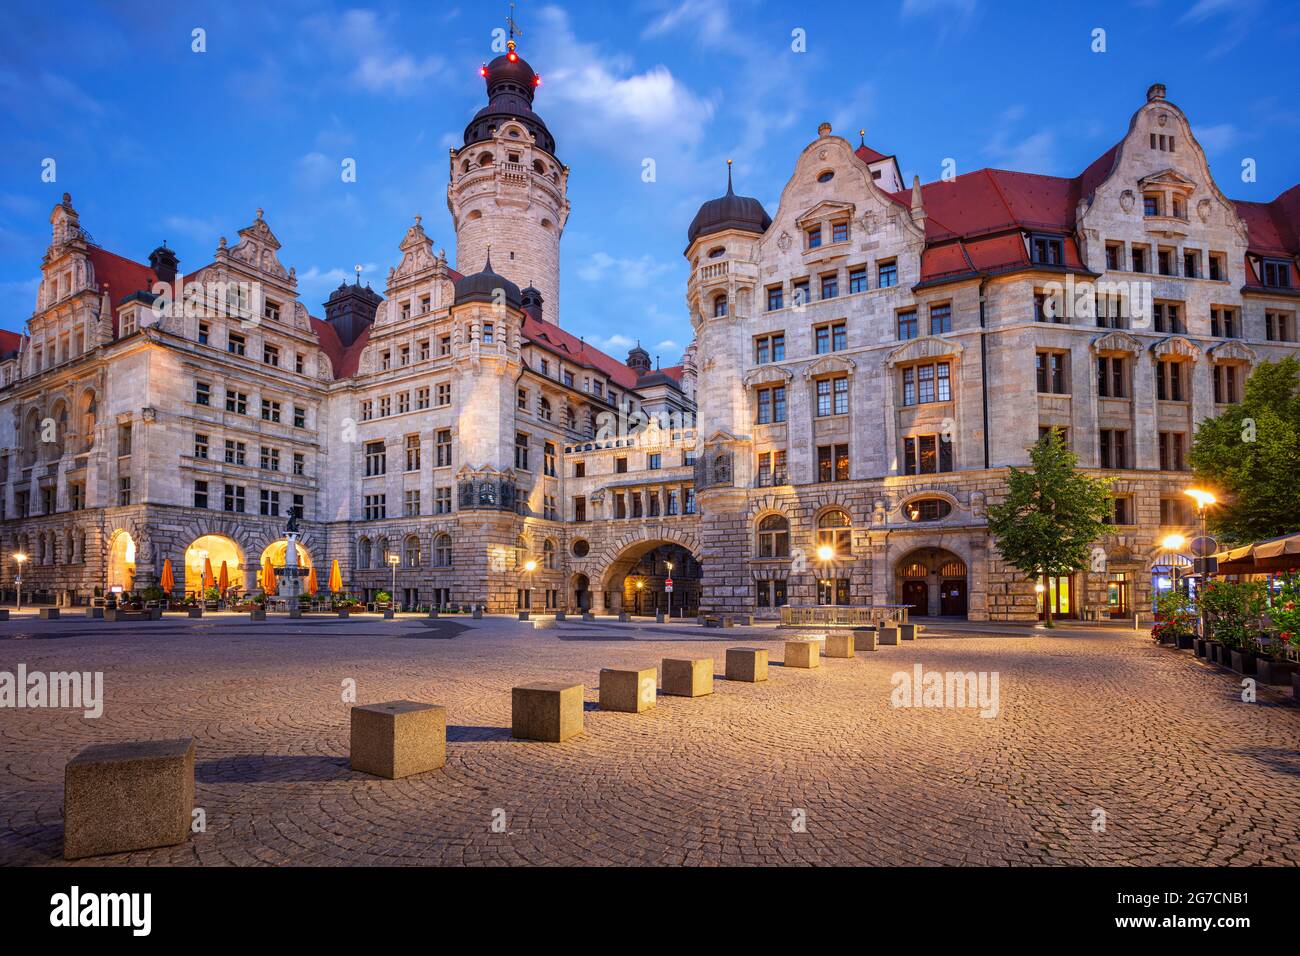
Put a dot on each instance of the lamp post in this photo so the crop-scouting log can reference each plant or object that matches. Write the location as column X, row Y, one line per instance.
column 393, row 562
column 21, row 558
column 640, row 586
column 1204, row 499
column 668, row 589
column 825, row 555
column 1173, row 545
column 530, row 566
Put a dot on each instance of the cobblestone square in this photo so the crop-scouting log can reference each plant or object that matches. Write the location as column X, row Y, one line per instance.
column 1088, row 720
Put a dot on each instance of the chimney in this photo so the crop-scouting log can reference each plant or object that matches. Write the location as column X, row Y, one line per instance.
column 918, row 208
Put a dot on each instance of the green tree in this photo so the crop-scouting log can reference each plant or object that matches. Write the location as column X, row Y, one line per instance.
column 1051, row 515
column 1249, row 455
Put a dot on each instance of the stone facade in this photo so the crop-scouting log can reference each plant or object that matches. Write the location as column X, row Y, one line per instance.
column 503, row 462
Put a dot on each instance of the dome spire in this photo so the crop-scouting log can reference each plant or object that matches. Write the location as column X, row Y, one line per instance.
column 730, row 191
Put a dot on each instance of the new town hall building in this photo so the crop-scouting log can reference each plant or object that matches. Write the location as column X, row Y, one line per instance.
column 867, row 362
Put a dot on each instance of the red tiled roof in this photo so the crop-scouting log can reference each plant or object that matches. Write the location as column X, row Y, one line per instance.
column 122, row 276
column 343, row 360
column 1272, row 227
column 869, row 155
column 674, row 372
column 10, row 342
column 555, row 339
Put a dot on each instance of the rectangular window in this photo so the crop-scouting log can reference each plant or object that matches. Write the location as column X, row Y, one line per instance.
column 1171, row 452
column 887, row 274
column 1169, row 381
column 830, row 286
column 801, row 293
column 270, row 411
column 237, row 402
column 1175, row 512
column 858, row 279
column 202, row 394
column 1276, row 273
column 771, row 405
column 1121, row 511
column 1279, row 326
column 839, row 232
column 412, row 452
column 411, row 503
column 204, row 333
column 927, row 383
column 236, row 344
column 1050, row 368
column 442, row 501
column 548, row 459
column 832, row 396
column 403, row 402
column 1112, row 380
column 236, row 452
column 270, row 503
column 1114, row 448
column 1139, row 254
column 200, row 494
column 926, row 455
column 1218, row 267
column 269, row 459
column 1226, row 384
column 201, row 446
column 521, row 451
column 376, row 459
column 271, row 355
column 814, row 237
column 123, row 490
column 443, row 448
column 233, row 499
column 1114, row 256
column 1047, row 250
column 832, row 463
column 579, row 508
column 907, row 328
column 299, row 464
column 1168, row 317
column 376, row 507
column 1191, row 264
column 940, row 319
column 775, row 298
column 1223, row 322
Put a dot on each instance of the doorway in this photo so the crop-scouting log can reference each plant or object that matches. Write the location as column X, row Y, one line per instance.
column 952, row 597
column 917, row 594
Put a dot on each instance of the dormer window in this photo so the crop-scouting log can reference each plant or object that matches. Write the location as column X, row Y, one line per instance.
column 839, row 232
column 1047, row 250
column 1151, row 204
column 1276, row 273
column 127, row 325
column 814, row 237
column 271, row 311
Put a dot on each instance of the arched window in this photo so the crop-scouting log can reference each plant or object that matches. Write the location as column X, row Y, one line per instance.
column 442, row 551
column 363, row 554
column 411, row 551
column 381, row 553
column 548, row 554
column 774, row 537
column 544, row 409
column 538, row 167
column 835, row 528
column 485, row 159
column 719, row 305
column 69, row 548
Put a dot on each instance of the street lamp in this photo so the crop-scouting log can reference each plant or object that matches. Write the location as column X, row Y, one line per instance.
column 393, row 562
column 1204, row 499
column 1173, row 545
column 640, row 586
column 825, row 554
column 668, row 589
column 21, row 558
column 529, row 567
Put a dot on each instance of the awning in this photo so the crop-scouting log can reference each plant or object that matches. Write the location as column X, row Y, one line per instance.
column 1274, row 554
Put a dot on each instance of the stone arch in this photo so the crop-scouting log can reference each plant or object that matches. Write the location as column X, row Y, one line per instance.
column 120, row 566
column 213, row 548
column 62, row 421
column 31, row 437
column 933, row 578
column 581, row 585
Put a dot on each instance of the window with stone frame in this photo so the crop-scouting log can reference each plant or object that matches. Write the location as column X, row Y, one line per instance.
column 835, row 528
column 774, row 537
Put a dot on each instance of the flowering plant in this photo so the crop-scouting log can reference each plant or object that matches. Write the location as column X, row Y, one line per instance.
column 1233, row 612
column 1175, row 617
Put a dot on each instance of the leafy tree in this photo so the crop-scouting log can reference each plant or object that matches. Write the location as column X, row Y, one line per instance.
column 1051, row 515
column 1250, row 455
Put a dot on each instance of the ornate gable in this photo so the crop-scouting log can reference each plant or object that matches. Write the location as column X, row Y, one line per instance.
column 256, row 249
column 1232, row 351
column 768, row 375
column 829, row 365
column 1116, row 341
column 417, row 256
column 1176, row 345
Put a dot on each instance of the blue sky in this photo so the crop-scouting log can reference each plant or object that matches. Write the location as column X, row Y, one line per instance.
column 156, row 141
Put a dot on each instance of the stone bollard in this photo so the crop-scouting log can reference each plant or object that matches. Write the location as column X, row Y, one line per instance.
column 478, row 614
column 389, row 614
column 560, row 616
column 588, row 616
column 687, row 677
column 889, row 635
column 433, row 612
column 398, row 738
column 257, row 615
column 748, row 664
column 864, row 639
column 547, row 712
column 523, row 615
column 128, row 796
column 48, row 613
column 907, row 632
column 295, row 612
column 628, row 691
column 4, row 613
column 343, row 612
column 191, row 612
column 659, row 617
column 623, row 617
column 839, row 644
column 802, row 654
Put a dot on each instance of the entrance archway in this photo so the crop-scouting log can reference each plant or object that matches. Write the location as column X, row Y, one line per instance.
column 582, row 592
column 933, row 581
column 636, row 579
column 213, row 548
column 121, row 561
column 277, row 552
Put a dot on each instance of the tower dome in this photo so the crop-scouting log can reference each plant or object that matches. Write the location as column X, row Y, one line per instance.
column 483, row 287
column 511, row 84
column 729, row 212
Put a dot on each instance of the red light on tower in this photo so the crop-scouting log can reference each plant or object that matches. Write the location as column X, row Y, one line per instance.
column 537, row 81
column 482, row 70
column 512, row 56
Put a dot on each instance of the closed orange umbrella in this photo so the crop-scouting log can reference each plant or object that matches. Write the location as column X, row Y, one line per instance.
column 223, row 582
column 268, row 577
column 336, row 578
column 312, row 586
column 208, row 580
column 168, row 579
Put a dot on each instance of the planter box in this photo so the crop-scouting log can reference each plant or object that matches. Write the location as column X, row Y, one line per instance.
column 388, row 615
column 343, row 612
column 1201, row 646
column 195, row 612
column 1214, row 648
column 1274, row 672
column 1295, row 684
column 1185, row 641
column 1243, row 662
column 116, row 614
column 257, row 615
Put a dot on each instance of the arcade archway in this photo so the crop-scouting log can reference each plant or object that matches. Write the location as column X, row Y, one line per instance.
column 636, row 580
column 121, row 561
column 932, row 581
column 213, row 549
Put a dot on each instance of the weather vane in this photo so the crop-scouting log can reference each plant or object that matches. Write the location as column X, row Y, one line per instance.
column 510, row 20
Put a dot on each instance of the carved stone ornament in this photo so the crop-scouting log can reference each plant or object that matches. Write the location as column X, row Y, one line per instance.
column 1126, row 200
column 1203, row 209
column 785, row 242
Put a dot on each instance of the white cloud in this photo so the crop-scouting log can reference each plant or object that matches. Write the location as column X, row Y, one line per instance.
column 192, row 227
column 600, row 99
column 318, row 283
column 636, row 273
column 381, row 65
column 1026, row 153
column 1216, row 138
column 709, row 23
